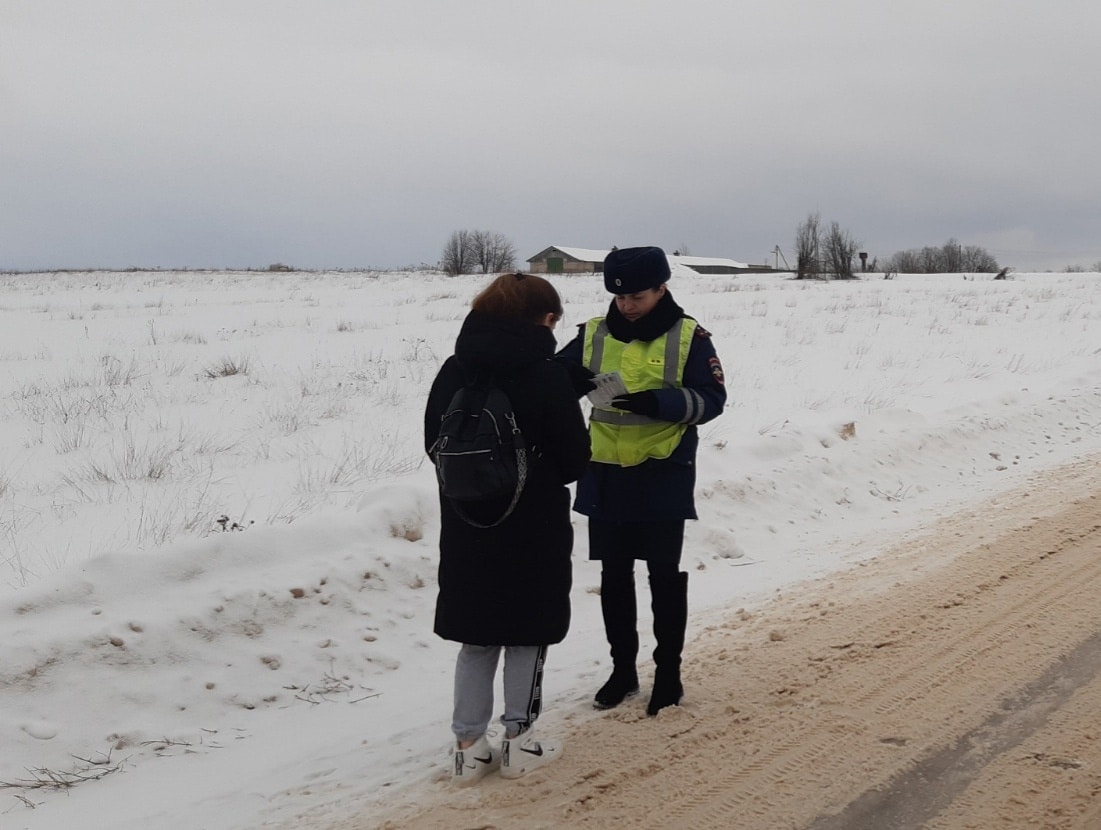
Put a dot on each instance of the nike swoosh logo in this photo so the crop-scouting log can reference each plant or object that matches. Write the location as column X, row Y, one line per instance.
column 484, row 760
column 536, row 752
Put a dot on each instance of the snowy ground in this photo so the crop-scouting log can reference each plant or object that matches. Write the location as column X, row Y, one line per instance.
column 159, row 671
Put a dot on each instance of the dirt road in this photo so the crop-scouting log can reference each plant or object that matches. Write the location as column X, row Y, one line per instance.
column 953, row 682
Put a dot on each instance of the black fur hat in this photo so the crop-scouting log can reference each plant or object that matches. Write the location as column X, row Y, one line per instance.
column 630, row 270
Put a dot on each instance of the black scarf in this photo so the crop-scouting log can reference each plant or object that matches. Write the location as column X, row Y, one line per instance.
column 660, row 319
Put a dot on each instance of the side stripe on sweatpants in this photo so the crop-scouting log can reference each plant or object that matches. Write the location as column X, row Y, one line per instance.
column 535, row 697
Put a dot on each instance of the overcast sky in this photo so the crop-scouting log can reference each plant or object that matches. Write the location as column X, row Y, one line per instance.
column 359, row 133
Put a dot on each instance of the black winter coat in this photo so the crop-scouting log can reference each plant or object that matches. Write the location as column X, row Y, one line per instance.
column 510, row 584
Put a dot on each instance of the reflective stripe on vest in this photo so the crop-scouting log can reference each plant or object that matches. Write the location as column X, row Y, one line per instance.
column 626, row 438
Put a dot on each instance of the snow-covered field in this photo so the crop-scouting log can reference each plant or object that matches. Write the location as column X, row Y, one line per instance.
column 217, row 528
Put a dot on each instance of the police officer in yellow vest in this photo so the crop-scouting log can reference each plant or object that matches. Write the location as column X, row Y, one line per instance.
column 639, row 487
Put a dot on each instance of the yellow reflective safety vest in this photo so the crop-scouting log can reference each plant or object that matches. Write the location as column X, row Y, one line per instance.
column 627, row 438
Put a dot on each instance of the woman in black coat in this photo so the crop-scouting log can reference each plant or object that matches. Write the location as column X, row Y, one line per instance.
column 507, row 587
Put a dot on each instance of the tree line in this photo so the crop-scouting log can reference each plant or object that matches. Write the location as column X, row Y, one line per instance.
column 829, row 251
column 821, row 250
column 949, row 258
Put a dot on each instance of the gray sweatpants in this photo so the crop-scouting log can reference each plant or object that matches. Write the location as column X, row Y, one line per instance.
column 475, row 670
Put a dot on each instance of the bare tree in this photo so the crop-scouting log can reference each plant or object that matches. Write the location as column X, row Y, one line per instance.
column 839, row 248
column 493, row 253
column 952, row 257
column 820, row 251
column 806, row 248
column 978, row 260
column 458, row 254
column 931, row 260
column 504, row 254
column 485, row 251
column 904, row 262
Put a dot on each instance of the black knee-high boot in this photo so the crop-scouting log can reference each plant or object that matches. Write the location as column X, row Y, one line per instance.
column 669, row 601
column 620, row 611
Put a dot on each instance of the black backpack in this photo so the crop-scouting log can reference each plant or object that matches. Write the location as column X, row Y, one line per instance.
column 480, row 453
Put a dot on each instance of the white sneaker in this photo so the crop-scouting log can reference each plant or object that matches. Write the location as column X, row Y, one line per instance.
column 522, row 754
column 476, row 761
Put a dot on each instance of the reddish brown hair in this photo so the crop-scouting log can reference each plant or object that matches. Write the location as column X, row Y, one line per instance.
column 521, row 296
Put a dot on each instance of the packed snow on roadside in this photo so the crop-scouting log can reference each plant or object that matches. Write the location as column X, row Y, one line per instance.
column 218, row 531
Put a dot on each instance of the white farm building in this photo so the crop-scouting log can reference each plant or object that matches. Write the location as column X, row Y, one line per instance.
column 559, row 259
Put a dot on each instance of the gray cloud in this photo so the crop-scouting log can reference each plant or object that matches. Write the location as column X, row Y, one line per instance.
column 350, row 134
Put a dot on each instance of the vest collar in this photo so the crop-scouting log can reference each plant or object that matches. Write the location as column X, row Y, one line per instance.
column 660, row 319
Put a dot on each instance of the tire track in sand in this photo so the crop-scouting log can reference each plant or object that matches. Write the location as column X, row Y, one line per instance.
column 930, row 656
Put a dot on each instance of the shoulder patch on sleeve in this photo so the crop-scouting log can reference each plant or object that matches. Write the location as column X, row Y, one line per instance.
column 717, row 370
column 701, row 331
